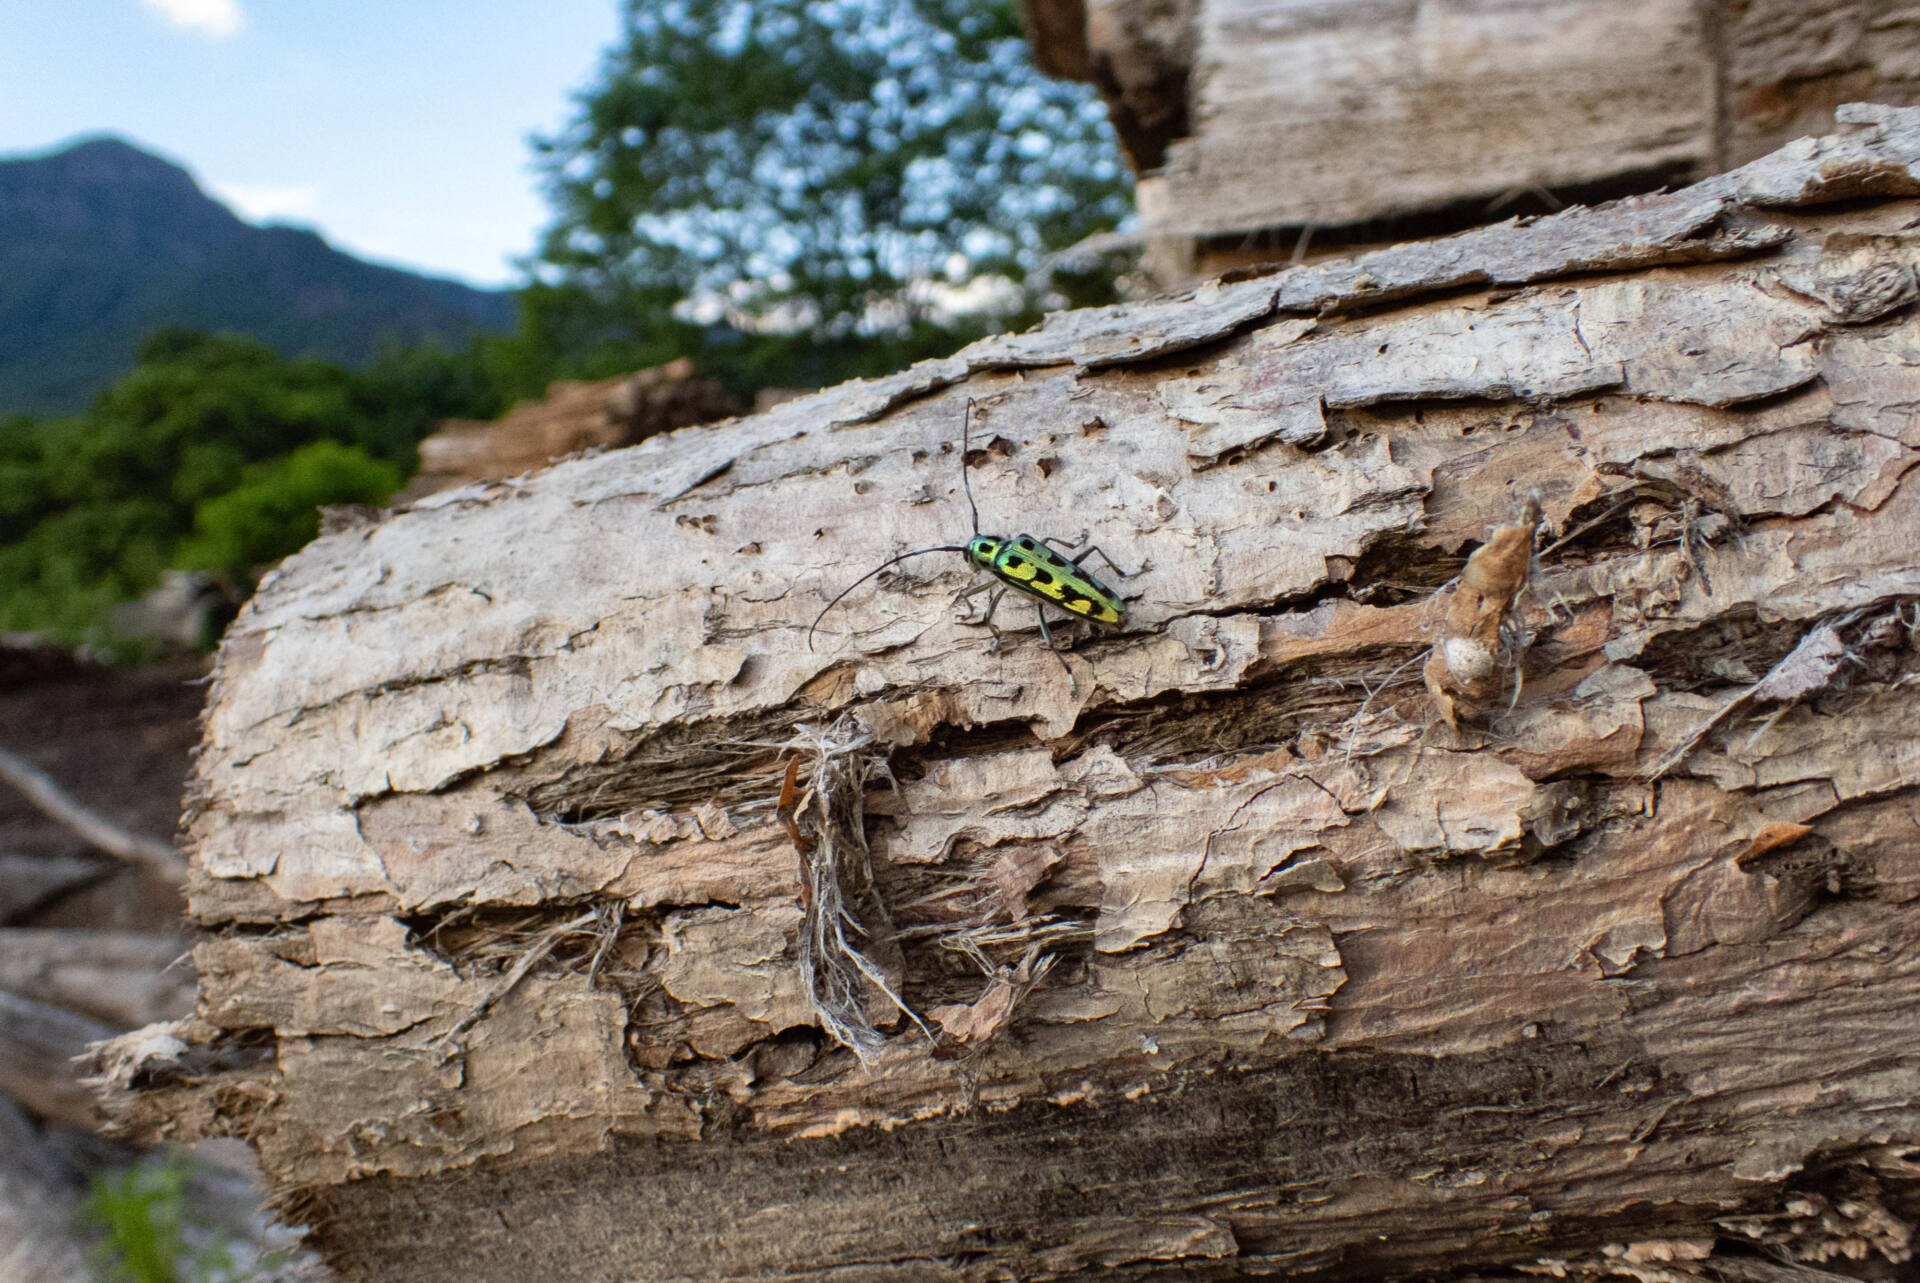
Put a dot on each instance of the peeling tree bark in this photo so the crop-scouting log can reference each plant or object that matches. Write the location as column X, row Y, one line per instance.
column 1236, row 956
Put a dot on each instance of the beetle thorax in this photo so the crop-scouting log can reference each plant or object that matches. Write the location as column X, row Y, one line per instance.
column 982, row 549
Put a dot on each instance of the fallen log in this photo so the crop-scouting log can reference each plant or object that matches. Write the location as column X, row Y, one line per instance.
column 101, row 833
column 1488, row 848
column 63, row 990
column 124, row 978
column 41, row 1044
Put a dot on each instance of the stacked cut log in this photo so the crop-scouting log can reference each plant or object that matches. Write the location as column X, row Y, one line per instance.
column 1261, row 127
column 571, row 418
column 90, row 944
column 1489, row 848
column 87, row 940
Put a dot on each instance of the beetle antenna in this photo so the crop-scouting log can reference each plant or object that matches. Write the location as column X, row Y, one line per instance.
column 871, row 573
column 966, row 422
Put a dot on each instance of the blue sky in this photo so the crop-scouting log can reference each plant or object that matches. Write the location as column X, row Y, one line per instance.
column 397, row 128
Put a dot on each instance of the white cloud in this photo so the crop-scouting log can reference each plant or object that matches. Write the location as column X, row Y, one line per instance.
column 262, row 201
column 216, row 18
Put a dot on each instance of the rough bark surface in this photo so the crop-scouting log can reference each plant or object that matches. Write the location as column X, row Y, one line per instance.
column 1344, row 913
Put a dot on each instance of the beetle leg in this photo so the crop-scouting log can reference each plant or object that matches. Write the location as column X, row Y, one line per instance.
column 993, row 604
column 1046, row 635
column 1079, row 555
column 965, row 593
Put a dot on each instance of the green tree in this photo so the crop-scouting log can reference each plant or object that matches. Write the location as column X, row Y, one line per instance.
column 405, row 391
column 834, row 186
column 213, row 453
column 276, row 507
column 197, row 409
column 24, row 493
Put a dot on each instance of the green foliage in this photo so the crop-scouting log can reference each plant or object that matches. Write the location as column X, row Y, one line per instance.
column 140, row 1212
column 213, row 453
column 276, row 507
column 406, row 390
column 795, row 191
column 144, row 1220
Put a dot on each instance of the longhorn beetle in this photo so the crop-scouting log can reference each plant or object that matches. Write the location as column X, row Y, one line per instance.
column 1022, row 563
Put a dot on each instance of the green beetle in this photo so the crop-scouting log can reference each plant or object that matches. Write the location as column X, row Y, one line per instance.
column 1041, row 568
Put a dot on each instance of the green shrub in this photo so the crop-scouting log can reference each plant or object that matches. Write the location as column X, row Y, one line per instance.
column 141, row 1216
column 213, row 453
column 276, row 507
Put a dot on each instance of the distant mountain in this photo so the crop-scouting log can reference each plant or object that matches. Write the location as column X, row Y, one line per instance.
column 101, row 243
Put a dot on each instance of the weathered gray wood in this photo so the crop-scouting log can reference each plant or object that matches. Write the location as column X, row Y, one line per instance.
column 40, row 1046
column 1342, row 913
column 1341, row 113
column 1788, row 62
column 101, row 833
column 28, row 881
column 1251, row 120
column 125, row 978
